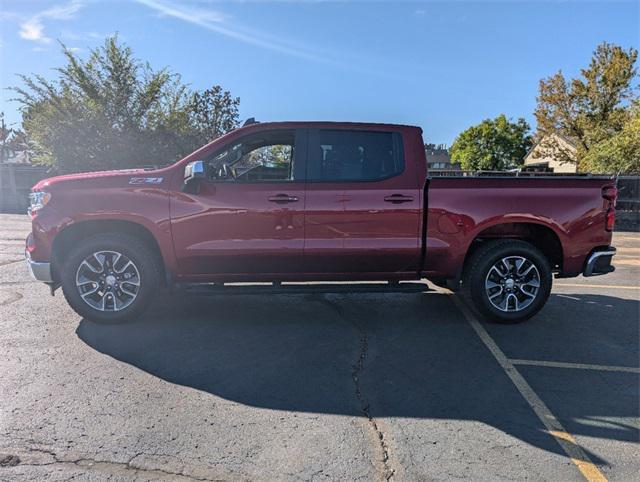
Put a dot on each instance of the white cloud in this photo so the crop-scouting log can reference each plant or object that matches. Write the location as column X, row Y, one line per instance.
column 215, row 21
column 33, row 28
column 63, row 12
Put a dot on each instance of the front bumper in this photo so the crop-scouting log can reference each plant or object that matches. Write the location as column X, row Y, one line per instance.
column 599, row 262
column 39, row 271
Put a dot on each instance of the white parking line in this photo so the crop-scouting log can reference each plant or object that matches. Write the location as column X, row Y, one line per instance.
column 581, row 366
column 577, row 455
column 603, row 287
column 569, row 297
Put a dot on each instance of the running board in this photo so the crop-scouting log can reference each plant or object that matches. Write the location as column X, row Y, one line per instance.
column 212, row 289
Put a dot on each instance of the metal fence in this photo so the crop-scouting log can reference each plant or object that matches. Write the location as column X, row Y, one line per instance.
column 15, row 182
column 628, row 204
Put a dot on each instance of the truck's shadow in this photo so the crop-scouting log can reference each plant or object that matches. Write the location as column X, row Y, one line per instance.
column 421, row 358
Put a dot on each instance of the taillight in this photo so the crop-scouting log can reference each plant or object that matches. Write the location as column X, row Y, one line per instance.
column 611, row 219
column 610, row 193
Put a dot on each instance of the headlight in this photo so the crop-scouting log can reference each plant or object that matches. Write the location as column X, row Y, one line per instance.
column 38, row 200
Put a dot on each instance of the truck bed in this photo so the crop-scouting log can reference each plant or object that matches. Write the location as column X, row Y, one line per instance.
column 463, row 208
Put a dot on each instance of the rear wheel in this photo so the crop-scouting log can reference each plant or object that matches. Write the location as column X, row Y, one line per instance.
column 507, row 281
column 110, row 278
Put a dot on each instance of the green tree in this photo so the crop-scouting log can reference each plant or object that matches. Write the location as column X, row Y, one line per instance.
column 111, row 110
column 589, row 109
column 494, row 144
column 213, row 112
column 619, row 153
column 12, row 141
column 5, row 138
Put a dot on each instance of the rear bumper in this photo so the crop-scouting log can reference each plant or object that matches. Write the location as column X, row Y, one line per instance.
column 39, row 271
column 599, row 262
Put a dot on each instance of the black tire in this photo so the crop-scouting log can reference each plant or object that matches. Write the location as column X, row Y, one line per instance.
column 146, row 266
column 477, row 279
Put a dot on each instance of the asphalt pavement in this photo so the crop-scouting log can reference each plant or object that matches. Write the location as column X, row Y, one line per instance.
column 320, row 386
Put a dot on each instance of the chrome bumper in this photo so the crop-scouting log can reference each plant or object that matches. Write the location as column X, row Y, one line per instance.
column 39, row 271
column 600, row 262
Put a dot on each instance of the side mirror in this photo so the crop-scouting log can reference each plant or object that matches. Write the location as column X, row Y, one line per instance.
column 194, row 171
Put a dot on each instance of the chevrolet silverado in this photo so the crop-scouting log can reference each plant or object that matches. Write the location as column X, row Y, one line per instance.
column 315, row 201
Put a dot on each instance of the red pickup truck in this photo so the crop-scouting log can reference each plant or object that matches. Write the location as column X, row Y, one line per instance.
column 315, row 201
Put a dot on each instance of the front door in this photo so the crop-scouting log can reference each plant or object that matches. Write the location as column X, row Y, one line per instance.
column 247, row 217
column 363, row 204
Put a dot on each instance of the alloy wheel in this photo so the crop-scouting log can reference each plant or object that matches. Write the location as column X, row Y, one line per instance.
column 512, row 283
column 108, row 281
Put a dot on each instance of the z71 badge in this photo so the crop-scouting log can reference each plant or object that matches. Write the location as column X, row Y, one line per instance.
column 145, row 180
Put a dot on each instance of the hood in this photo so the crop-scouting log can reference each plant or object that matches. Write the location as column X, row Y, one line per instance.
column 88, row 176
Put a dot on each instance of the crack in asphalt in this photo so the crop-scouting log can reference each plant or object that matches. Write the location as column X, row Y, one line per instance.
column 109, row 466
column 386, row 470
column 13, row 297
column 11, row 261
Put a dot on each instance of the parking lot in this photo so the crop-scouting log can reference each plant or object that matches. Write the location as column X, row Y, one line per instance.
column 322, row 386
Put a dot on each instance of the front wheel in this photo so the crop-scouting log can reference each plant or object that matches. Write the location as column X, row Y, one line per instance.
column 507, row 281
column 110, row 278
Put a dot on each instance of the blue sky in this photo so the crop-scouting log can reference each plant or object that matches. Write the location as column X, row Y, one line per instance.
column 440, row 65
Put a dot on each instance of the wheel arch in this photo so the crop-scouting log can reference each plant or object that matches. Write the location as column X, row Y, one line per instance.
column 76, row 232
column 542, row 236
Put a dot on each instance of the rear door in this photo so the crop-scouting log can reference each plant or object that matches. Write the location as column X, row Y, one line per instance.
column 362, row 204
column 247, row 218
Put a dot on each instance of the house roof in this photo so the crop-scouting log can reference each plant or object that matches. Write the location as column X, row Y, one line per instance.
column 569, row 140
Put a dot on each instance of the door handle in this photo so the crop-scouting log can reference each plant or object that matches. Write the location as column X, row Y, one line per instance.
column 283, row 199
column 398, row 199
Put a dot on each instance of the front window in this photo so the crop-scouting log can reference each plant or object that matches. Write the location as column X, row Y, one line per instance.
column 262, row 157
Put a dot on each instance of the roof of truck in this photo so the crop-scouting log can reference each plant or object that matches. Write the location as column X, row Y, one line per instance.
column 330, row 124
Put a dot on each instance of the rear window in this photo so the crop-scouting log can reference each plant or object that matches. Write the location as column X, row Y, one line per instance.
column 344, row 155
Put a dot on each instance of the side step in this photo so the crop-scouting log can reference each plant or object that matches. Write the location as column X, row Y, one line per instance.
column 212, row 289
